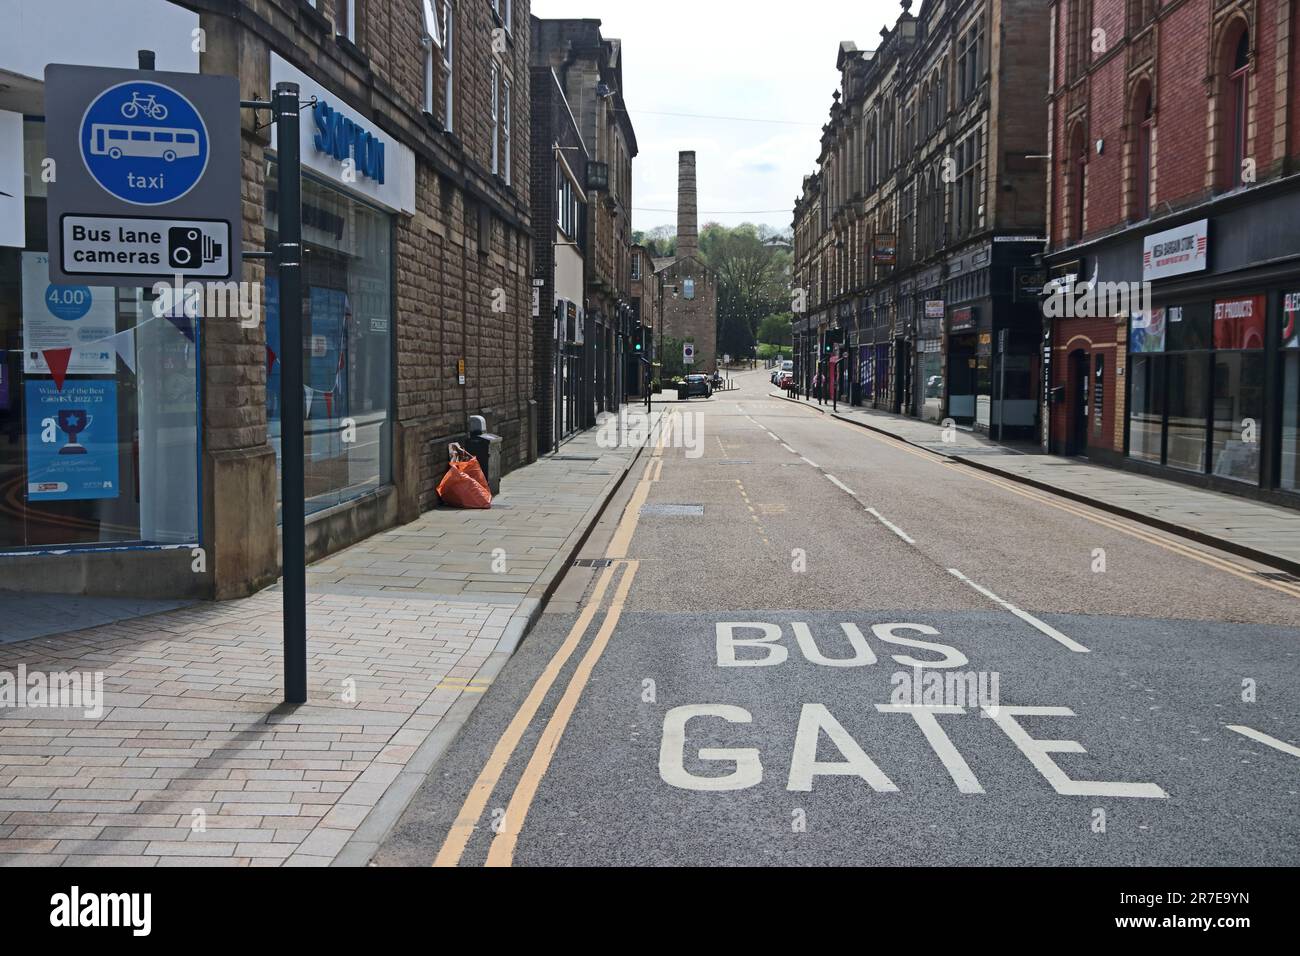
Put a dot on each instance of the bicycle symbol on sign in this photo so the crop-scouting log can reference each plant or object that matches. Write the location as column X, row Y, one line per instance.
column 149, row 104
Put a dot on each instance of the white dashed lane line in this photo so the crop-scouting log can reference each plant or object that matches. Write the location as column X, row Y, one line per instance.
column 890, row 525
column 1025, row 616
column 839, row 484
column 1265, row 739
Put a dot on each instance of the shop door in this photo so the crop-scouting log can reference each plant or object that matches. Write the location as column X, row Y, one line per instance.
column 1077, row 407
column 903, row 377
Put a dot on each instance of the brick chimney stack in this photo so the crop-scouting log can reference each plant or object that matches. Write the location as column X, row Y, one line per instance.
column 688, row 222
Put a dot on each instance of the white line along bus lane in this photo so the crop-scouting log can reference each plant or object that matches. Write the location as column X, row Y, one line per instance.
column 933, row 686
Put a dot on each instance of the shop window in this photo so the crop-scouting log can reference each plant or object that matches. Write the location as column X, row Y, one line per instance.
column 1187, row 327
column 98, row 403
column 1238, row 414
column 448, row 66
column 1146, row 407
column 347, row 349
column 495, row 73
column 1188, row 410
column 431, row 41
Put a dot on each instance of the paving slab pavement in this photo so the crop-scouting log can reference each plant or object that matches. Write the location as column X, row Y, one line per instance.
column 186, row 755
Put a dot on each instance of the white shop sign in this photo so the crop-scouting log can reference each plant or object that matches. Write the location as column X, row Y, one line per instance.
column 359, row 174
column 1176, row 251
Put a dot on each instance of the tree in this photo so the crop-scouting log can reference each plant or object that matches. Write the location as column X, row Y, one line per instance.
column 775, row 329
column 753, row 281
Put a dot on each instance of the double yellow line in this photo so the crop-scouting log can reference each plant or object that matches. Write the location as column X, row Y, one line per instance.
column 508, row 827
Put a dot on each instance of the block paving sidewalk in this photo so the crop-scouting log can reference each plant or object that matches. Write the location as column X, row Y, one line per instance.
column 195, row 761
column 1263, row 532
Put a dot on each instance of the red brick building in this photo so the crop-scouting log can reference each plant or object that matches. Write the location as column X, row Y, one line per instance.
column 1173, row 258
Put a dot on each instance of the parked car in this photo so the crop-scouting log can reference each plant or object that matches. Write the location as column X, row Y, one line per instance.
column 695, row 385
column 785, row 380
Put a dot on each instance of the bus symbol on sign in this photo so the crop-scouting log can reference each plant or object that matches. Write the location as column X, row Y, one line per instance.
column 144, row 143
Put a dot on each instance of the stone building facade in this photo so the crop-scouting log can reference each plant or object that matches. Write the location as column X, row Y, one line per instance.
column 1173, row 132
column 925, row 211
column 417, row 285
column 589, row 68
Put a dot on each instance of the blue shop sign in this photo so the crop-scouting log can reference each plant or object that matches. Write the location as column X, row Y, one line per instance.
column 340, row 137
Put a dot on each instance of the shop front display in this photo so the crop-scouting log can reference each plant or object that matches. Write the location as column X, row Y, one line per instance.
column 99, row 402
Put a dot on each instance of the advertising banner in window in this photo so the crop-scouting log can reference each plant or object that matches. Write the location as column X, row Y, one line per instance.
column 76, row 317
column 1239, row 323
column 1176, row 251
column 71, row 440
column 1148, row 331
column 1291, row 320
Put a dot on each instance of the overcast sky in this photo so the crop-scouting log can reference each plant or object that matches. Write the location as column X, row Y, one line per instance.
column 758, row 59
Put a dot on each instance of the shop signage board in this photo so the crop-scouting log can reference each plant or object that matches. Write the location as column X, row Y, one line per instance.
column 934, row 308
column 146, row 175
column 1176, row 251
column 345, row 148
column 13, row 222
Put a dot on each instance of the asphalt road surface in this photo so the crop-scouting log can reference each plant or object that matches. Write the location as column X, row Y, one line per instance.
column 805, row 643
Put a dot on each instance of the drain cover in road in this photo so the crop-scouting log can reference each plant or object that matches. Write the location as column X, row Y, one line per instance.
column 674, row 511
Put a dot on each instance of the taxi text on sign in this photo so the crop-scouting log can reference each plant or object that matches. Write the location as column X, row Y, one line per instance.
column 146, row 176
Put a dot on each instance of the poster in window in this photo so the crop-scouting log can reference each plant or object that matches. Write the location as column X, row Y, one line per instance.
column 1239, row 323
column 1291, row 320
column 1148, row 332
column 71, row 440
column 77, row 317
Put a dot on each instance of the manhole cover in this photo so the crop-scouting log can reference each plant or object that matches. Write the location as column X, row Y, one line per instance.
column 592, row 563
column 674, row 511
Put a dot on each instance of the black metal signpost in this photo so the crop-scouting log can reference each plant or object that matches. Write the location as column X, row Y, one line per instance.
column 285, row 107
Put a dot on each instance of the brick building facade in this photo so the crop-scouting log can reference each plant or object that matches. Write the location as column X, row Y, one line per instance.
column 1174, row 240
column 926, row 210
column 406, row 277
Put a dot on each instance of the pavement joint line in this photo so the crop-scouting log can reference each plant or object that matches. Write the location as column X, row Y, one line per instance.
column 890, row 525
column 1025, row 616
column 811, row 462
column 1265, row 739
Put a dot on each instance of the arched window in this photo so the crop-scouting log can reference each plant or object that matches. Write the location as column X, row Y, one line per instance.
column 1142, row 121
column 1078, row 160
column 1236, row 60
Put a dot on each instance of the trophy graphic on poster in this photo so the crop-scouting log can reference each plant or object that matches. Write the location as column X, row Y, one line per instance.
column 73, row 421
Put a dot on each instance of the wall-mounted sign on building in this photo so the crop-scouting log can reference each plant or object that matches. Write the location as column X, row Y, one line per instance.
column 934, row 308
column 346, row 148
column 1176, row 251
column 963, row 319
column 884, row 250
column 147, row 175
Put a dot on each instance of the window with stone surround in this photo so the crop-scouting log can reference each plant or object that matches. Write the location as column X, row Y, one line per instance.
column 1234, row 106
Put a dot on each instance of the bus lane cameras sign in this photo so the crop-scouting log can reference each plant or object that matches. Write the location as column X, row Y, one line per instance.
column 146, row 180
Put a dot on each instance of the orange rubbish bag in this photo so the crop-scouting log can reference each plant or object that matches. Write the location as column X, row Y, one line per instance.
column 464, row 485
